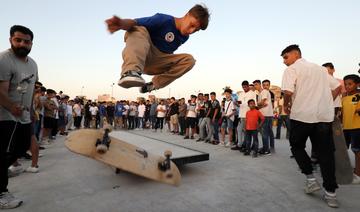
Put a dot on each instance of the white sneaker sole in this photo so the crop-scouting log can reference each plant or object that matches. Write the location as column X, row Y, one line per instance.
column 128, row 82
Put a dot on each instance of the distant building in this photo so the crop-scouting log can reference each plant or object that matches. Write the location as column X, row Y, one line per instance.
column 106, row 98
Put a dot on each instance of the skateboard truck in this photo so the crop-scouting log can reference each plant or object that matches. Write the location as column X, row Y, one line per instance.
column 103, row 145
column 165, row 164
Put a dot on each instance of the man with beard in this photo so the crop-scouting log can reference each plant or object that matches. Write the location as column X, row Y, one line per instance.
column 18, row 74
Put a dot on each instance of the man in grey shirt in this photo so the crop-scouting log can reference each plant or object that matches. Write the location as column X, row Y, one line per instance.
column 18, row 74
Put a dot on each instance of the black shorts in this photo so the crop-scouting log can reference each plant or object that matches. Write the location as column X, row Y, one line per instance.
column 190, row 122
column 49, row 122
column 352, row 138
column 62, row 122
column 20, row 140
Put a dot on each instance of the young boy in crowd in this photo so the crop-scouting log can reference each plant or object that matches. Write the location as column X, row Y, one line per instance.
column 351, row 119
column 190, row 117
column 49, row 115
column 150, row 43
column 252, row 127
column 228, row 117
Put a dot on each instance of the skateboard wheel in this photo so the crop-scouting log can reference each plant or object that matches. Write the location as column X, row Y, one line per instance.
column 167, row 153
column 169, row 175
column 101, row 148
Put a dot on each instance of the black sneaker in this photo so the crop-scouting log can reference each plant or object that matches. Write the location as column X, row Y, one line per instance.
column 200, row 139
column 247, row 153
column 186, row 137
column 235, row 148
column 148, row 87
column 131, row 79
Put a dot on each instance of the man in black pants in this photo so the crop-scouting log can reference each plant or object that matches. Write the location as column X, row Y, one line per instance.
column 309, row 101
column 18, row 74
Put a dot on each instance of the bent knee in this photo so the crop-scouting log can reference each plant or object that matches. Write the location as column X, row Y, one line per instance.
column 189, row 59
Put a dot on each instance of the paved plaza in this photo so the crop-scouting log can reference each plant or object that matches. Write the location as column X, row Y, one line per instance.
column 229, row 181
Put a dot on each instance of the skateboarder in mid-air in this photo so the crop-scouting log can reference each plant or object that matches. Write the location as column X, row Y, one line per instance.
column 150, row 43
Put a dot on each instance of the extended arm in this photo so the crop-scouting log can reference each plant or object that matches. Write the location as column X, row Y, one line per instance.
column 115, row 23
column 287, row 101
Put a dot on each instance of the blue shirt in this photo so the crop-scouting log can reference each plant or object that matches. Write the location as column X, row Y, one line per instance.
column 119, row 110
column 102, row 110
column 163, row 32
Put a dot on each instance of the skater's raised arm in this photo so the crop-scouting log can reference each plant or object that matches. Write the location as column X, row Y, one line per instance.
column 115, row 23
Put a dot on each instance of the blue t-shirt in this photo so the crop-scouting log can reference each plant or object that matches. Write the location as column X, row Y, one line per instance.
column 163, row 32
column 119, row 110
column 102, row 110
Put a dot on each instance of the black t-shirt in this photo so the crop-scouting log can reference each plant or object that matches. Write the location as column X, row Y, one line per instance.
column 174, row 109
column 207, row 106
column 87, row 111
column 213, row 106
column 147, row 109
column 110, row 110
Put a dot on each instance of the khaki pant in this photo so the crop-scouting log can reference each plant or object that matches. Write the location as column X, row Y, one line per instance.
column 141, row 55
column 118, row 122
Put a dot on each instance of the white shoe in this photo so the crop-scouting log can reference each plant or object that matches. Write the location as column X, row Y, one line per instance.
column 356, row 179
column 330, row 199
column 221, row 144
column 311, row 186
column 16, row 169
column 8, row 201
column 32, row 169
column 131, row 79
column 227, row 144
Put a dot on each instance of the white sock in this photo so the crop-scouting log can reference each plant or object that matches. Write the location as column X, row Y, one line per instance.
column 310, row 177
column 330, row 193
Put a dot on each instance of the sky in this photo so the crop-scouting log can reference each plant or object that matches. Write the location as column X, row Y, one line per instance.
column 76, row 54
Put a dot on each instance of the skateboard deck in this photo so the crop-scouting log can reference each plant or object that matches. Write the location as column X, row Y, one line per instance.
column 343, row 168
column 124, row 156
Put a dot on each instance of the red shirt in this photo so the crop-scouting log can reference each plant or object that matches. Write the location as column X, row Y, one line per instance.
column 252, row 119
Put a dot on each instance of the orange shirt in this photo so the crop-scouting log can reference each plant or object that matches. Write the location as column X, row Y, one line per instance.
column 252, row 119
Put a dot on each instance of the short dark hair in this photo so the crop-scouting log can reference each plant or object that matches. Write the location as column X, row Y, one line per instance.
column 22, row 29
column 228, row 90
column 213, row 93
column 50, row 91
column 251, row 100
column 266, row 81
column 257, row 81
column 245, row 82
column 201, row 13
column 43, row 89
column 355, row 78
column 200, row 94
column 173, row 98
column 193, row 96
column 206, row 94
column 290, row 48
column 328, row 65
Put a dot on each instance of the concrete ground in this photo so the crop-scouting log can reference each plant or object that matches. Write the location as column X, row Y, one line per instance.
column 229, row 181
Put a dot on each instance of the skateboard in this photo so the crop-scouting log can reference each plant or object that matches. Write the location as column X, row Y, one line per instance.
column 343, row 168
column 99, row 145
